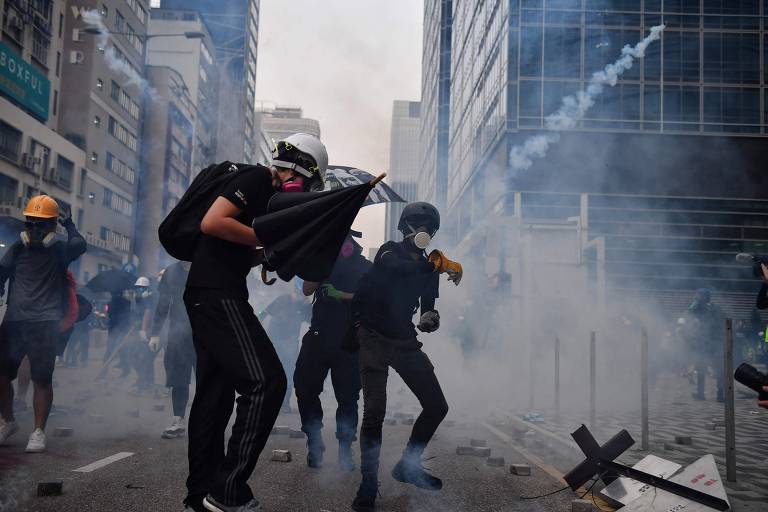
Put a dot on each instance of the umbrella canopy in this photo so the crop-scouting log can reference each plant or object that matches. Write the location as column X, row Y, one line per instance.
column 114, row 280
column 303, row 231
column 340, row 176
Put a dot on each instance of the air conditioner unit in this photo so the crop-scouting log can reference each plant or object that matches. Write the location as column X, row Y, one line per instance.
column 76, row 57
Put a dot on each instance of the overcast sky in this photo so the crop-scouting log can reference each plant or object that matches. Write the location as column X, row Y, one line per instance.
column 344, row 62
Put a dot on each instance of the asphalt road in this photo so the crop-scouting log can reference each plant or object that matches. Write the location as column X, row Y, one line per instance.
column 152, row 478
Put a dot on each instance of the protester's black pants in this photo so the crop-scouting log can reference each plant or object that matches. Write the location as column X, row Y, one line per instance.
column 377, row 354
column 321, row 353
column 702, row 365
column 234, row 355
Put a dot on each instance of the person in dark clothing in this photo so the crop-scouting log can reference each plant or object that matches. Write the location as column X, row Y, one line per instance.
column 118, row 327
column 77, row 348
column 705, row 328
column 287, row 313
column 141, row 358
column 234, row 354
column 36, row 267
column 179, row 359
column 321, row 352
column 402, row 280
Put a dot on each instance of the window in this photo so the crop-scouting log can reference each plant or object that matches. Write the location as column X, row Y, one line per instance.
column 122, row 134
column 96, row 121
column 731, row 58
column 99, row 84
column 138, row 10
column 681, row 107
column 116, row 202
column 125, row 101
column 732, row 109
column 83, row 181
column 562, row 52
column 134, row 39
column 10, row 141
column 530, row 52
column 206, row 54
column 94, row 157
column 61, row 25
column 55, row 102
column 119, row 22
column 41, row 43
column 64, row 172
column 681, row 56
column 120, row 168
column 58, row 63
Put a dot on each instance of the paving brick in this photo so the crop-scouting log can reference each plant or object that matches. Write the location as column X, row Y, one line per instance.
column 63, row 432
column 281, row 456
column 520, row 469
column 478, row 443
column 496, row 462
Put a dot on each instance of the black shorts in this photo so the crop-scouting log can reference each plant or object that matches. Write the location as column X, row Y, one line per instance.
column 37, row 340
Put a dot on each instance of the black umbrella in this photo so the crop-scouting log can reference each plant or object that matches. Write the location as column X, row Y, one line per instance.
column 303, row 231
column 113, row 280
column 342, row 176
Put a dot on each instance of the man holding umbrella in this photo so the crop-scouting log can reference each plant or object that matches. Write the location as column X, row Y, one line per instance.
column 234, row 353
column 36, row 266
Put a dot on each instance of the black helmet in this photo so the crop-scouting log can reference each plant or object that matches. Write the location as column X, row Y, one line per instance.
column 419, row 213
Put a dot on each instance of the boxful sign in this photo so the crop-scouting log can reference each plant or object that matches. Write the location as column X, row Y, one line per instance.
column 23, row 83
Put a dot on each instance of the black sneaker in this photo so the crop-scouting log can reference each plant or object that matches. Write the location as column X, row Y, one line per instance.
column 364, row 503
column 346, row 457
column 413, row 473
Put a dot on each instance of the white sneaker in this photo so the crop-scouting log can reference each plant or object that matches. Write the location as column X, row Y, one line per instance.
column 177, row 429
column 36, row 442
column 7, row 429
column 214, row 506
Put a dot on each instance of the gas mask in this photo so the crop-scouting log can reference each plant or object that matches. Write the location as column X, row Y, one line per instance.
column 347, row 248
column 38, row 234
column 293, row 186
column 421, row 237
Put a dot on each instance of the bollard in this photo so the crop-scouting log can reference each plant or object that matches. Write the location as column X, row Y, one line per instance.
column 557, row 377
column 592, row 379
column 644, row 388
column 730, row 406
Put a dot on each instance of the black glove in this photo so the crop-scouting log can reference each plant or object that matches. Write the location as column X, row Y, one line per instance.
column 65, row 216
column 429, row 322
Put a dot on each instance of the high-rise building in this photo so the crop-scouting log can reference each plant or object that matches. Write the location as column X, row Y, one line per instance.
column 166, row 167
column 404, row 160
column 101, row 111
column 281, row 121
column 234, row 27
column 685, row 122
column 192, row 55
column 435, row 98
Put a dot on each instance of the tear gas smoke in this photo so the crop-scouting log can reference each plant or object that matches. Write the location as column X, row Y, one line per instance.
column 94, row 19
column 575, row 107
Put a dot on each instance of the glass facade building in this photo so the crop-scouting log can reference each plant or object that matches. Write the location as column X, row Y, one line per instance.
column 688, row 120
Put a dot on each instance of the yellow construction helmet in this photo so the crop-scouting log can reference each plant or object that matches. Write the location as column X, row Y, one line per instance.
column 42, row 207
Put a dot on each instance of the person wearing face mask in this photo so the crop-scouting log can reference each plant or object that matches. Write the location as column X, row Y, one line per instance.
column 234, row 354
column 705, row 339
column 36, row 266
column 142, row 358
column 402, row 280
column 321, row 353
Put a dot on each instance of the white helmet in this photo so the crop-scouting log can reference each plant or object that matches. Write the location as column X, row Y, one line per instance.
column 305, row 154
column 142, row 282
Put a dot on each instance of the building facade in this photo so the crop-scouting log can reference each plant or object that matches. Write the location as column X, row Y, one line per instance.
column 279, row 121
column 34, row 157
column 688, row 121
column 404, row 160
column 102, row 90
column 435, row 97
column 166, row 167
column 234, row 27
column 194, row 59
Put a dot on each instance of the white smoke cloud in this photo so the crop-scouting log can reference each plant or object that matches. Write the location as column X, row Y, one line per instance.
column 94, row 19
column 575, row 107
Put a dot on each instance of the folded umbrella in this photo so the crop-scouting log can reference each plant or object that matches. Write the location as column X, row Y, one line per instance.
column 302, row 232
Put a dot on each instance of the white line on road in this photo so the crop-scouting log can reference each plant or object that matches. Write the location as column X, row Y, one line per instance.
column 103, row 462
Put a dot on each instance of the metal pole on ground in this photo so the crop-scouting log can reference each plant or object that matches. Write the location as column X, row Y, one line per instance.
column 730, row 409
column 557, row 377
column 592, row 378
column 644, row 388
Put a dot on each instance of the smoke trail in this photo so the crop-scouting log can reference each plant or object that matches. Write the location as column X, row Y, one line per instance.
column 93, row 19
column 575, row 107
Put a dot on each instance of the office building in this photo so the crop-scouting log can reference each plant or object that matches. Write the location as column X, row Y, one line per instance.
column 234, row 27
column 279, row 121
column 404, row 160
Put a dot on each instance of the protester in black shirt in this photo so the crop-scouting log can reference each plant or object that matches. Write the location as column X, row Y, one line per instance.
column 179, row 356
column 402, row 280
column 234, row 354
column 321, row 352
column 286, row 313
column 36, row 267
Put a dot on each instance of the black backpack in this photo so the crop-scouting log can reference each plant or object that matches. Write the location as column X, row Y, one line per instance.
column 180, row 230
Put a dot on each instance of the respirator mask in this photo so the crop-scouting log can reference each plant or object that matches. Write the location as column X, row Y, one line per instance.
column 38, row 234
column 293, row 186
column 420, row 235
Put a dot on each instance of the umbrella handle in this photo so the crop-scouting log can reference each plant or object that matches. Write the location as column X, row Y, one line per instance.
column 377, row 179
column 268, row 282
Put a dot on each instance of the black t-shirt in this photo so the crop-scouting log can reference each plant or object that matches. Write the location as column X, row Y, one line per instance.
column 224, row 265
column 391, row 292
column 333, row 314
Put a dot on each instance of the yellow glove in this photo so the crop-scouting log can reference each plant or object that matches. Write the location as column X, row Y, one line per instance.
column 444, row 265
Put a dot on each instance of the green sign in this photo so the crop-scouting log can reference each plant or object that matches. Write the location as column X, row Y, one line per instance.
column 23, row 83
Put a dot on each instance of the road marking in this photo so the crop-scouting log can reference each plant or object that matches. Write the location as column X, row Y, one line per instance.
column 93, row 466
